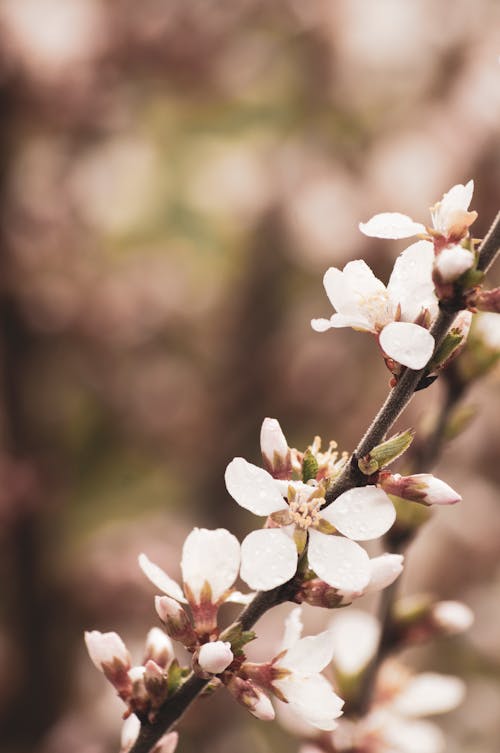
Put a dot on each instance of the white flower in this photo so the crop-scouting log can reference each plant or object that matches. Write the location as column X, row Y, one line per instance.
column 363, row 302
column 450, row 218
column 107, row 649
column 210, row 563
column 269, row 555
column 307, row 692
column 215, row 657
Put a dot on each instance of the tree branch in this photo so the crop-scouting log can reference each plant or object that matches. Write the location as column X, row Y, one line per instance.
column 395, row 403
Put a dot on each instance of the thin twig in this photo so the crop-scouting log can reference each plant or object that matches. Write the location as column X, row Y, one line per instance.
column 396, row 402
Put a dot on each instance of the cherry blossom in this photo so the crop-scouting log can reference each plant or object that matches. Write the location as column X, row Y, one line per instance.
column 293, row 676
column 364, row 303
column 450, row 219
column 420, row 487
column 210, row 563
column 269, row 555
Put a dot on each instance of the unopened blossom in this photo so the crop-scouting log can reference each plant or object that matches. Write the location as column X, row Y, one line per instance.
column 110, row 655
column 420, row 487
column 158, row 647
column 215, row 657
column 364, row 303
column 450, row 219
column 276, row 454
column 452, row 262
column 130, row 732
column 294, row 675
column 298, row 516
column 253, row 698
column 210, row 563
column 452, row 617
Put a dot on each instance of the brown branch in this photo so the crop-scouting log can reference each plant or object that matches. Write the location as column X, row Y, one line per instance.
column 395, row 403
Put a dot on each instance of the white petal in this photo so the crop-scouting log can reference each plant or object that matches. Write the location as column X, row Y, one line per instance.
column 391, row 225
column 355, row 635
column 437, row 492
column 272, row 440
column 355, row 321
column 106, row 648
column 361, row 514
column 130, row 733
column 167, row 743
column 308, row 655
column 339, row 292
column 160, row 579
column 312, row 698
column 385, row 569
column 320, row 325
column 293, row 628
column 430, row 693
column 360, row 279
column 411, row 282
column 453, row 261
column 295, row 724
column 340, row 562
column 458, row 198
column 236, row 597
column 345, row 289
column 452, row 616
column 215, row 657
column 412, row 737
column 268, row 558
column 253, row 488
column 212, row 556
column 407, row 344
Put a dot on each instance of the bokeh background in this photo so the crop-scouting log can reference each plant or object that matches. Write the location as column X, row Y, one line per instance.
column 175, row 177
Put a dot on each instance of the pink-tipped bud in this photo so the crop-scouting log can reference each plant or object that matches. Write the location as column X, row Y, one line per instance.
column 275, row 451
column 252, row 698
column 452, row 617
column 110, row 655
column 421, row 487
column 130, row 732
column 485, row 300
column 214, row 657
column 159, row 647
column 176, row 621
column 156, row 683
column 167, row 744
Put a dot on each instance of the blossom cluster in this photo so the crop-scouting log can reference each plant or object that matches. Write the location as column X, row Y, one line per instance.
column 309, row 546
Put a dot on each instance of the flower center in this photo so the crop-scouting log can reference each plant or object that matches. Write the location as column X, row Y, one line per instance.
column 377, row 308
column 305, row 512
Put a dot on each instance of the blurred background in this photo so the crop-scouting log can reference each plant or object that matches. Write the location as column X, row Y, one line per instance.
column 175, row 178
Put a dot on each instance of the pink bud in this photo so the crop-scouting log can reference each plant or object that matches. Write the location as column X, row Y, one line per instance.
column 252, row 698
column 155, row 682
column 421, row 487
column 275, row 451
column 176, row 621
column 159, row 647
column 452, row 617
column 109, row 654
column 215, row 657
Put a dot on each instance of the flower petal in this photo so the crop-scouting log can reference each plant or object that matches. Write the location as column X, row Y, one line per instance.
column 453, row 261
column 268, row 558
column 130, row 732
column 407, row 344
column 391, row 225
column 355, row 635
column 340, row 562
column 308, row 655
column 385, row 569
column 410, row 737
column 320, row 325
column 293, row 628
column 253, row 488
column 361, row 514
column 160, row 579
column 236, row 597
column 212, row 556
column 313, row 699
column 215, row 657
column 430, row 693
column 356, row 321
column 411, row 283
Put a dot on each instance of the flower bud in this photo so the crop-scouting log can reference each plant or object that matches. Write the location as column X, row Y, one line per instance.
column 275, row 451
column 452, row 617
column 176, row 621
column 317, row 593
column 214, row 657
column 452, row 262
column 109, row 654
column 252, row 698
column 421, row 487
column 130, row 731
column 485, row 300
column 158, row 647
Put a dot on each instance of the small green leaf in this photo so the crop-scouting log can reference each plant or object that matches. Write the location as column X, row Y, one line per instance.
column 309, row 466
column 385, row 453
